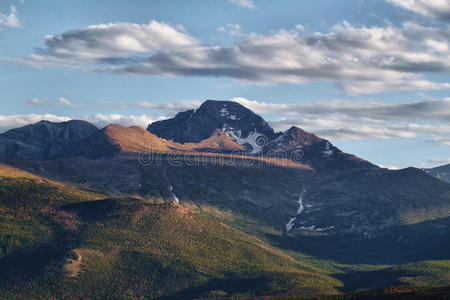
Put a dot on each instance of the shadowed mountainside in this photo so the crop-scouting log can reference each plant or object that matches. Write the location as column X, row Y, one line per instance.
column 44, row 139
column 442, row 172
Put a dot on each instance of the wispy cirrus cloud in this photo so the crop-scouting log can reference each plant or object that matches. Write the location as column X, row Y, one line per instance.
column 244, row 3
column 428, row 110
column 441, row 140
column 431, row 8
column 170, row 107
column 44, row 101
column 37, row 101
column 435, row 162
column 362, row 60
column 66, row 102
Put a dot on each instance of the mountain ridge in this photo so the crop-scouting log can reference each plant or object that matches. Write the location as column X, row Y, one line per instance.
column 441, row 172
column 223, row 126
column 43, row 139
column 338, row 191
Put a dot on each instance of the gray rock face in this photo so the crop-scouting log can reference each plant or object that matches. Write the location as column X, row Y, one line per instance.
column 200, row 124
column 44, row 139
column 442, row 172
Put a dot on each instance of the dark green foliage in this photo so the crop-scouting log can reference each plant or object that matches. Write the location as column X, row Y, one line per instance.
column 129, row 248
column 60, row 242
column 6, row 243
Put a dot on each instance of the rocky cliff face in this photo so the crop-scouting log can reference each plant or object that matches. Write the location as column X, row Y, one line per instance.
column 44, row 139
column 196, row 125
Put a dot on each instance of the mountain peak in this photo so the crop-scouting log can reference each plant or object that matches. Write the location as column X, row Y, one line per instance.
column 219, row 105
column 298, row 135
column 43, row 139
column 193, row 126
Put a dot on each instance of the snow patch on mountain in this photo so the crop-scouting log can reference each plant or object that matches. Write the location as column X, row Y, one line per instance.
column 299, row 211
column 225, row 113
column 313, row 228
column 328, row 151
column 175, row 198
column 256, row 140
column 290, row 224
column 300, row 203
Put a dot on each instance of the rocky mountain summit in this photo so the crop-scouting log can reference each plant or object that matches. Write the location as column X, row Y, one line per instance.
column 254, row 134
column 44, row 139
column 192, row 126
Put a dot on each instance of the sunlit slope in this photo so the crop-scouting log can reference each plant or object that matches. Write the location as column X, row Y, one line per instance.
column 62, row 242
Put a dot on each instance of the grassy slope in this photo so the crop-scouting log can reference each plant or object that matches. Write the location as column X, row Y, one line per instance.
column 70, row 242
column 66, row 242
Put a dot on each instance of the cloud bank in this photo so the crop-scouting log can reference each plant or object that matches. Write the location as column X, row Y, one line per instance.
column 361, row 60
column 351, row 120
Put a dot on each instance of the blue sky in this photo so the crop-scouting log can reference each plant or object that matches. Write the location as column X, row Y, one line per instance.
column 371, row 76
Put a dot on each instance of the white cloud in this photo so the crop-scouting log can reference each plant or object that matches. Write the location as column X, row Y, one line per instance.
column 300, row 27
column 244, row 3
column 110, row 44
column 10, row 20
column 362, row 60
column 336, row 128
column 101, row 120
column 435, row 162
column 37, row 101
column 13, row 121
column 389, row 167
column 429, row 110
column 347, row 120
column 441, row 140
column 66, row 102
column 430, row 8
column 231, row 29
column 124, row 120
column 170, row 107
